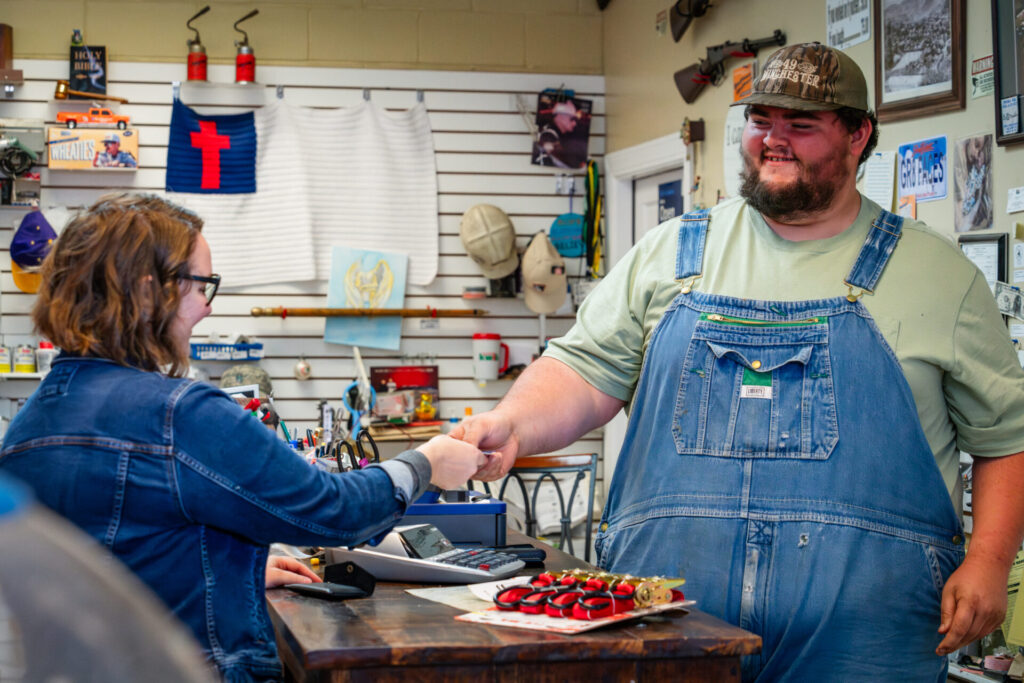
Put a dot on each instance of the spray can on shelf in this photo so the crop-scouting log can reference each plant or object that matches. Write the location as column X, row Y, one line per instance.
column 245, row 60
column 196, row 51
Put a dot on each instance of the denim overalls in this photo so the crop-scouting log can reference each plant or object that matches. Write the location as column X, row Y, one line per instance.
column 775, row 460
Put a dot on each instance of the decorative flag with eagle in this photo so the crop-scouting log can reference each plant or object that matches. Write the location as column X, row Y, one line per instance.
column 366, row 279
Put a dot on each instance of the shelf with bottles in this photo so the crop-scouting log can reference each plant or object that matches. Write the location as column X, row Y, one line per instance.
column 230, row 352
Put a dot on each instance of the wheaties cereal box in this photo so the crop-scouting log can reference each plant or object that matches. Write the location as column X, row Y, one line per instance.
column 93, row 149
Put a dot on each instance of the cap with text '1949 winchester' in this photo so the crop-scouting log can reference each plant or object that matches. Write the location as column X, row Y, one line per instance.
column 809, row 77
column 29, row 246
column 544, row 280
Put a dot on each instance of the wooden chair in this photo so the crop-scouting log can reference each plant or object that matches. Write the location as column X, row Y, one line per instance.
column 546, row 468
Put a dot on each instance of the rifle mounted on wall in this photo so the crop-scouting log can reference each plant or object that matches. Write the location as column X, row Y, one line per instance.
column 691, row 80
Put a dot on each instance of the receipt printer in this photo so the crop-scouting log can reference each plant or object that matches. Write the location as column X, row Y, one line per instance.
column 465, row 517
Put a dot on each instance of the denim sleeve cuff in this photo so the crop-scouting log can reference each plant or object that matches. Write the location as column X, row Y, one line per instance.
column 410, row 474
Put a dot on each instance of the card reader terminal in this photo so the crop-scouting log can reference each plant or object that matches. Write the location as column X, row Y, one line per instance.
column 420, row 553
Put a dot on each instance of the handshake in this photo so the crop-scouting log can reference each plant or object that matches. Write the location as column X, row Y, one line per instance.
column 457, row 457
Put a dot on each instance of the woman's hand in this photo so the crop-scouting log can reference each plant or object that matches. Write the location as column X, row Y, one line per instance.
column 282, row 570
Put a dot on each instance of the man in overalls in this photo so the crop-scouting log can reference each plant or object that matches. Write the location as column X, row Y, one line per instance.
column 801, row 369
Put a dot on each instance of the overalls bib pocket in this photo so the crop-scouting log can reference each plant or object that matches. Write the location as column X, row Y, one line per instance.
column 756, row 389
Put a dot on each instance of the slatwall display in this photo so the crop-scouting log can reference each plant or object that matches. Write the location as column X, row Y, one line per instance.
column 482, row 143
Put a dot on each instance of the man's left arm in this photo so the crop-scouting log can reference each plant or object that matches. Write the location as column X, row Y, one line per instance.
column 974, row 598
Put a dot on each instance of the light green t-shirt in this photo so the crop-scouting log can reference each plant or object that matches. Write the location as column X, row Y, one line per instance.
column 931, row 304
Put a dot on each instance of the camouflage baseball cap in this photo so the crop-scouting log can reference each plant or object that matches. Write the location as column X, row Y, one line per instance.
column 245, row 374
column 809, row 77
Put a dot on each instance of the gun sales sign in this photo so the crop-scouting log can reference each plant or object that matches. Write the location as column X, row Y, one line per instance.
column 923, row 167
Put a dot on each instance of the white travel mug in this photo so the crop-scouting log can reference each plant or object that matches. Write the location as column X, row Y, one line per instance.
column 487, row 350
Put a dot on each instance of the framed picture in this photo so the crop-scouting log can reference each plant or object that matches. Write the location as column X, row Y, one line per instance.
column 919, row 58
column 244, row 393
column 988, row 252
column 1008, row 65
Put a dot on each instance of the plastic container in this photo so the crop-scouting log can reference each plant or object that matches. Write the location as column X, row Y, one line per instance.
column 24, row 358
column 44, row 356
column 5, row 359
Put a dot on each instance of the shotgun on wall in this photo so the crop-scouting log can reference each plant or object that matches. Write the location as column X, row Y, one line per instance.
column 691, row 80
column 282, row 312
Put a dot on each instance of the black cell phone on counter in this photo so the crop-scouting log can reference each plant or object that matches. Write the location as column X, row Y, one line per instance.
column 327, row 590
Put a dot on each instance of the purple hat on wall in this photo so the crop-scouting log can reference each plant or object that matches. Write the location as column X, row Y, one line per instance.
column 29, row 246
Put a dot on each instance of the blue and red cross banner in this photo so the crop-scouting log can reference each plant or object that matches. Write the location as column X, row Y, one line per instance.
column 211, row 154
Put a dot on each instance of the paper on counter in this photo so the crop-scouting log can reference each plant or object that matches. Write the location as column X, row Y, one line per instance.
column 471, row 598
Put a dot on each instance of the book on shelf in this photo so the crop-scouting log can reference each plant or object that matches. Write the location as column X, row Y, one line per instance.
column 88, row 70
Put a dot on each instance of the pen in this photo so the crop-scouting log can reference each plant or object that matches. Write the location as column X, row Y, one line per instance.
column 287, row 436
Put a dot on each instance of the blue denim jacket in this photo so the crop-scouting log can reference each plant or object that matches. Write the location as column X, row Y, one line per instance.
column 188, row 490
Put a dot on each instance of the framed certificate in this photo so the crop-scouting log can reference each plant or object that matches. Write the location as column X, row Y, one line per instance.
column 988, row 252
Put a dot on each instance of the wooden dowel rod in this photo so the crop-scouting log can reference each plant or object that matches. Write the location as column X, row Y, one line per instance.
column 282, row 312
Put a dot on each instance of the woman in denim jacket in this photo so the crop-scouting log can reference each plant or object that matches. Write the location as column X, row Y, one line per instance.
column 171, row 475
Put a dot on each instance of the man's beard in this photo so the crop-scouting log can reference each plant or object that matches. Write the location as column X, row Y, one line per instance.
column 798, row 199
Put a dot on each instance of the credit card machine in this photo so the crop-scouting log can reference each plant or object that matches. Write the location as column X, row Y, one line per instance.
column 420, row 553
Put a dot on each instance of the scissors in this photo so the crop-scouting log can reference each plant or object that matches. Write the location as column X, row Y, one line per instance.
column 357, row 455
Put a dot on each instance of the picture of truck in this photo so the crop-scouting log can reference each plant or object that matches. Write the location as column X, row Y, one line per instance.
column 99, row 116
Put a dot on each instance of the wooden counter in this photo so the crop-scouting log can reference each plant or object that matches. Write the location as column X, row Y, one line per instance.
column 393, row 636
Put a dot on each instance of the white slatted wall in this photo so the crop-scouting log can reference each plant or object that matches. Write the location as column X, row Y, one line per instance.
column 483, row 156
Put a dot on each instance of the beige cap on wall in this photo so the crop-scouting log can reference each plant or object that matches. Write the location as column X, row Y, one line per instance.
column 544, row 280
column 490, row 240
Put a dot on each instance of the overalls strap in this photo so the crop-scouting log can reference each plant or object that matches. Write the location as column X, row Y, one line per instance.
column 693, row 231
column 878, row 247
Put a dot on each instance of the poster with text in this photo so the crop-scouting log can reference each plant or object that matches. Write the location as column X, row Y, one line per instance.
column 923, row 167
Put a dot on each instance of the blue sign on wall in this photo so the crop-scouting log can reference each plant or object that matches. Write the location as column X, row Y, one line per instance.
column 923, row 168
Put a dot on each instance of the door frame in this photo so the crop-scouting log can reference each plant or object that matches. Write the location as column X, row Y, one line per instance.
column 622, row 167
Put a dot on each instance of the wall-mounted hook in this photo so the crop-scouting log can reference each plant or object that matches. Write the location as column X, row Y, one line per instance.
column 419, row 95
column 280, row 92
column 366, row 94
column 175, row 90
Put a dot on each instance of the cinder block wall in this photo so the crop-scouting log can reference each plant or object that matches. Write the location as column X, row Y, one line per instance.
column 543, row 36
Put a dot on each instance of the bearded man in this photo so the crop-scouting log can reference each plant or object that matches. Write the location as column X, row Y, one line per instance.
column 801, row 369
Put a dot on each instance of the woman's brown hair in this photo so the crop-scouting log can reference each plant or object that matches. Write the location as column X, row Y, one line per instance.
column 110, row 287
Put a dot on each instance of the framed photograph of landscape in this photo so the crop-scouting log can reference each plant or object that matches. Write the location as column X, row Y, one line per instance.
column 919, row 58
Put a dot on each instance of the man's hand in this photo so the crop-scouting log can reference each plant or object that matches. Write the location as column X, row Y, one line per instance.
column 452, row 462
column 973, row 602
column 282, row 570
column 490, row 432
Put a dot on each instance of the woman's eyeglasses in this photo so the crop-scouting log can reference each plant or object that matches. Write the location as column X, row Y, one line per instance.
column 210, row 285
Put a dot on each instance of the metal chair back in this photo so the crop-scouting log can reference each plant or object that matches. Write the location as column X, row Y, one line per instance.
column 546, row 468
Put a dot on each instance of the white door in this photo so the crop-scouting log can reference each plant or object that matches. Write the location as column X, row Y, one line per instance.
column 645, row 200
